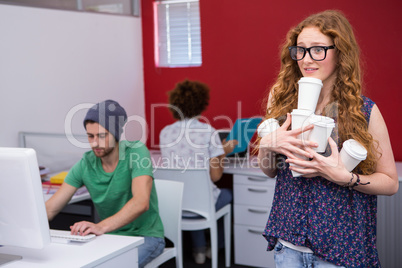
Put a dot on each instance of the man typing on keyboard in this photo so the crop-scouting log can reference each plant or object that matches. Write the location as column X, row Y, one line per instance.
column 118, row 176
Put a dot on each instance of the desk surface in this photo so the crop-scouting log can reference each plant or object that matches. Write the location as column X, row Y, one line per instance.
column 243, row 170
column 50, row 189
column 76, row 197
column 90, row 254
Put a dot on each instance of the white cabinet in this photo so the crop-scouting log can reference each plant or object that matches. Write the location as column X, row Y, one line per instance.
column 252, row 203
column 389, row 222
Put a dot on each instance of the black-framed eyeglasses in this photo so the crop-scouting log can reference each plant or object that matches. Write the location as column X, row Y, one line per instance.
column 317, row 53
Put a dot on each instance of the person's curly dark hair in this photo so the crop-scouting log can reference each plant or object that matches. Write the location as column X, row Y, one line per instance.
column 188, row 99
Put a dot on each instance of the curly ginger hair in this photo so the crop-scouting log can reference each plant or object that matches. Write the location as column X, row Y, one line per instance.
column 346, row 94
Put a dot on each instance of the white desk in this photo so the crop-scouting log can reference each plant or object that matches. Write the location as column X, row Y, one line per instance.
column 105, row 251
column 253, row 192
column 246, row 169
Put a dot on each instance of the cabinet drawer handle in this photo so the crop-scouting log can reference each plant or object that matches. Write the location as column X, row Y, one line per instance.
column 257, row 190
column 256, row 179
column 255, row 231
column 257, row 211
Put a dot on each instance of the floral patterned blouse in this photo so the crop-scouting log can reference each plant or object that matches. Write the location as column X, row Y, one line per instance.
column 338, row 226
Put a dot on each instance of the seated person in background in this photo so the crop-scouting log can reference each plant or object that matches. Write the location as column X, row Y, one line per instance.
column 189, row 143
column 122, row 190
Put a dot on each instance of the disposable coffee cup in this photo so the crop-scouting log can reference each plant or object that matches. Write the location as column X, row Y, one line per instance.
column 323, row 127
column 300, row 119
column 267, row 126
column 352, row 154
column 309, row 91
column 295, row 173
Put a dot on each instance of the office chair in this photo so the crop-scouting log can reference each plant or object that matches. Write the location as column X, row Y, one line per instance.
column 198, row 199
column 170, row 196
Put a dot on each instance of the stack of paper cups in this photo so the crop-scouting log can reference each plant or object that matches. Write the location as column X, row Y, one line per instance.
column 267, row 126
column 300, row 119
column 352, row 154
column 323, row 127
column 309, row 91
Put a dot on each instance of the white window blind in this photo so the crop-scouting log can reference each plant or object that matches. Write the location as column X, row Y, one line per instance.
column 177, row 33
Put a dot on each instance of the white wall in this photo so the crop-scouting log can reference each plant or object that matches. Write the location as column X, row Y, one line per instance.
column 53, row 60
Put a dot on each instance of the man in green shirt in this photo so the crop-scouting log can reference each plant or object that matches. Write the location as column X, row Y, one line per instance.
column 118, row 176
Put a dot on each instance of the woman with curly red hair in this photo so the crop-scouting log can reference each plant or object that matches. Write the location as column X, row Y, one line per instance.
column 315, row 220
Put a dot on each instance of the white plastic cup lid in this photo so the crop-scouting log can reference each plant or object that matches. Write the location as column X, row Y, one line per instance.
column 268, row 125
column 355, row 149
column 310, row 80
column 323, row 124
column 322, row 120
column 301, row 112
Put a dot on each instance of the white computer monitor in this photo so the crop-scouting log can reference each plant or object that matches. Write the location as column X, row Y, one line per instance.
column 23, row 219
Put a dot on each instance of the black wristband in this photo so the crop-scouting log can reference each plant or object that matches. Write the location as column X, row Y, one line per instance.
column 357, row 182
column 348, row 184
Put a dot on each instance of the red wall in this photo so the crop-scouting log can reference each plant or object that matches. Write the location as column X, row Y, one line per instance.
column 240, row 52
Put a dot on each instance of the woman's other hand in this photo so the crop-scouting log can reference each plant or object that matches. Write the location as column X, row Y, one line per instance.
column 330, row 167
column 286, row 142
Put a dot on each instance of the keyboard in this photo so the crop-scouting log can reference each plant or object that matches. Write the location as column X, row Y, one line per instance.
column 60, row 236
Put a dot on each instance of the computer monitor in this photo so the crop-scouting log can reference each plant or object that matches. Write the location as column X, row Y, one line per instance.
column 23, row 219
